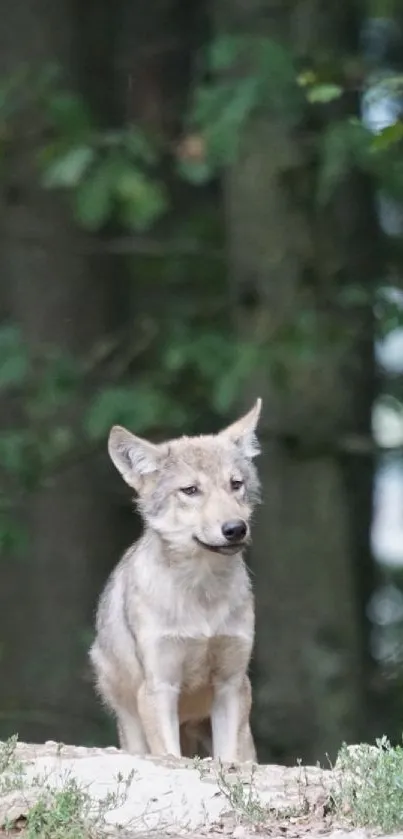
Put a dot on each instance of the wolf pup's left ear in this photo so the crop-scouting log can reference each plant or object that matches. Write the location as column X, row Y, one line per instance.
column 243, row 431
column 132, row 456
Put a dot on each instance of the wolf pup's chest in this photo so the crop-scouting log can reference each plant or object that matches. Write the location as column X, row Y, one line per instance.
column 208, row 654
column 200, row 661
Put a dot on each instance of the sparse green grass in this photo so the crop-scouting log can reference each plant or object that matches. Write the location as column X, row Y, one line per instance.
column 70, row 813
column 244, row 800
column 7, row 754
column 60, row 815
column 11, row 770
column 65, row 813
column 240, row 794
column 242, row 797
column 369, row 789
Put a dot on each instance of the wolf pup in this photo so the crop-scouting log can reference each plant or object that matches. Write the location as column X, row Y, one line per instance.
column 175, row 623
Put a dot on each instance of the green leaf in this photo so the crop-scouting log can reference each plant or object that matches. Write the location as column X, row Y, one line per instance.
column 138, row 407
column 59, row 443
column 142, row 201
column 221, row 110
column 13, row 370
column 226, row 389
column 68, row 169
column 277, row 76
column 93, row 199
column 60, row 377
column 306, row 78
column 13, row 535
column 389, row 136
column 195, row 171
column 14, row 362
column 223, row 126
column 324, row 93
column 345, row 145
column 69, row 114
column 13, row 450
column 175, row 357
column 224, row 52
column 139, row 147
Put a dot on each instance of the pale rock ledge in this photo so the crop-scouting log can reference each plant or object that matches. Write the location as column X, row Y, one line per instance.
column 173, row 797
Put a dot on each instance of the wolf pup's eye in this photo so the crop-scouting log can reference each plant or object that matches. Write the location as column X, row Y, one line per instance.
column 235, row 485
column 192, row 490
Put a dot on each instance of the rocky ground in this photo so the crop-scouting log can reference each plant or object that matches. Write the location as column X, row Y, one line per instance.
column 147, row 797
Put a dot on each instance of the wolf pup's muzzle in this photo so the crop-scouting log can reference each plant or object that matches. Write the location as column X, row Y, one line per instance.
column 234, row 532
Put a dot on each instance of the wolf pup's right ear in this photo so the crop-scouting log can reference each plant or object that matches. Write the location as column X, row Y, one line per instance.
column 243, row 431
column 132, row 456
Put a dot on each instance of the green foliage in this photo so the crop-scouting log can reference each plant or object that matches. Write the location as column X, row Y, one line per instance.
column 242, row 797
column 13, row 445
column 7, row 754
column 68, row 115
column 388, row 312
column 249, row 74
column 93, row 198
column 142, row 200
column 62, row 810
column 61, row 817
column 37, row 439
column 224, row 52
column 388, row 137
column 317, row 90
column 115, row 176
column 137, row 406
column 221, row 363
column 68, row 170
column 182, row 356
column 323, row 93
column 345, row 146
column 13, row 358
column 108, row 173
column 370, row 788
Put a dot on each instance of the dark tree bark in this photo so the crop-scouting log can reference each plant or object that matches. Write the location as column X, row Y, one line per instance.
column 58, row 296
column 311, row 554
column 131, row 62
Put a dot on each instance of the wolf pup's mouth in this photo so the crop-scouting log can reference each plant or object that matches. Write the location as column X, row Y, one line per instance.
column 226, row 550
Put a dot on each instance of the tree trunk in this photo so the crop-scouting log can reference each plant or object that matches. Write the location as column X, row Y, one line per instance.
column 311, row 541
column 58, row 296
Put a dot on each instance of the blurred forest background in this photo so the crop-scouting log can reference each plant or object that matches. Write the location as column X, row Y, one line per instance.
column 202, row 202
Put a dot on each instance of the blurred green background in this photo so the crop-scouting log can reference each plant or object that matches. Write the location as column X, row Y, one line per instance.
column 202, row 203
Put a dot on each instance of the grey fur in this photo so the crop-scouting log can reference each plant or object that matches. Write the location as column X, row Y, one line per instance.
column 175, row 623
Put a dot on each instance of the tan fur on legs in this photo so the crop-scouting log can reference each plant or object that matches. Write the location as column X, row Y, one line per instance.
column 246, row 746
column 131, row 731
column 159, row 716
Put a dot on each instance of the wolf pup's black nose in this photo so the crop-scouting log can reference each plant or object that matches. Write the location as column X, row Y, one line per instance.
column 234, row 530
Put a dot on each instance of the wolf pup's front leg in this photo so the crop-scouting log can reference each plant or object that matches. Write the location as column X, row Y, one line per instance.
column 158, row 709
column 229, row 718
column 225, row 721
column 158, row 696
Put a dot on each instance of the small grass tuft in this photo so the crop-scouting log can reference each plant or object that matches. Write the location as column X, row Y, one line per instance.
column 7, row 754
column 59, row 815
column 369, row 787
column 242, row 797
column 71, row 813
column 11, row 769
column 60, row 812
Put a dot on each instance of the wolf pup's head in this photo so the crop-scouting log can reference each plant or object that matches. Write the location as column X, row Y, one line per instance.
column 195, row 492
